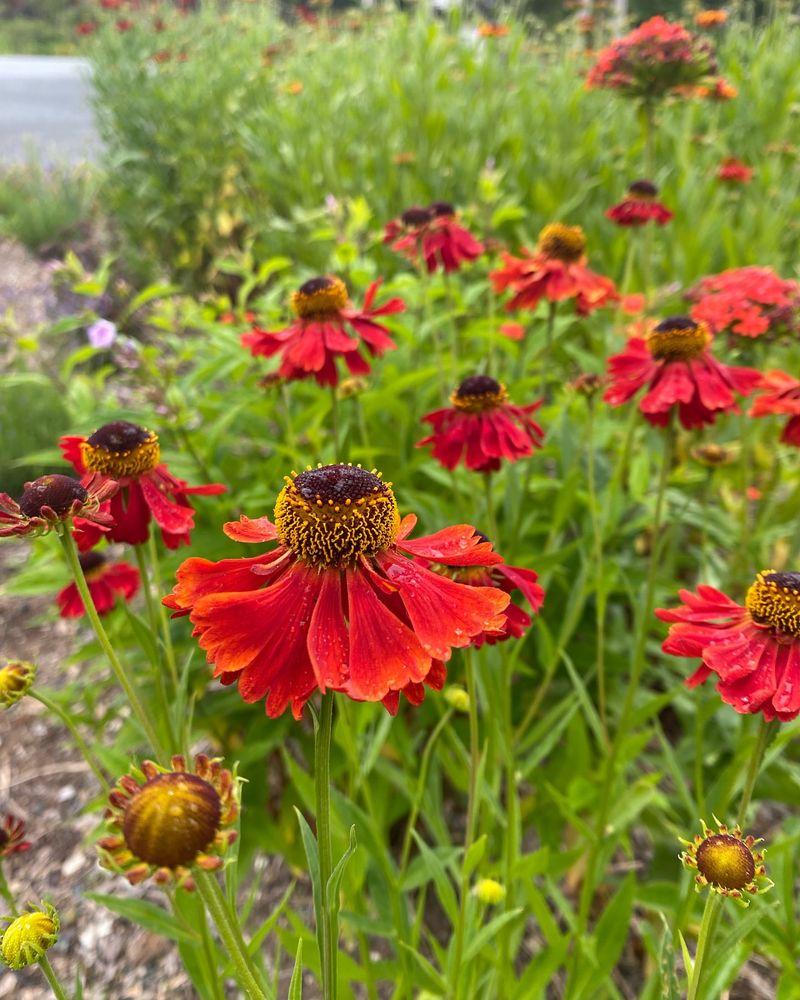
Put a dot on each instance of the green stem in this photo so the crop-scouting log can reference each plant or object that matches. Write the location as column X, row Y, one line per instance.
column 491, row 517
column 80, row 743
column 7, row 894
column 765, row 728
column 707, row 928
column 545, row 356
column 155, row 566
column 322, row 784
column 335, row 423
column 453, row 328
column 71, row 553
column 50, row 976
column 230, row 933
column 600, row 595
column 152, row 617
column 472, row 811
column 420, row 791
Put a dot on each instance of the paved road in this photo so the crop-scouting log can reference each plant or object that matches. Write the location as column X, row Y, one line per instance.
column 45, row 107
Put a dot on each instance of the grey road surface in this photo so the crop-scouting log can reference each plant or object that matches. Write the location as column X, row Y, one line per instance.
column 45, row 109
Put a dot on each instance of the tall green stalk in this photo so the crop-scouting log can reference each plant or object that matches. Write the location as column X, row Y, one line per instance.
column 71, row 553
column 707, row 928
column 600, row 593
column 322, row 784
column 55, row 709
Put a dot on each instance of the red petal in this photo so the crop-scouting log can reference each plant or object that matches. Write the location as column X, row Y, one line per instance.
column 459, row 545
column 328, row 643
column 259, row 529
column 168, row 515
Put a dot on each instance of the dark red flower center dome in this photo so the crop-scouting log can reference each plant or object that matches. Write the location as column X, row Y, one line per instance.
column 643, row 190
column 332, row 515
column 478, row 393
column 416, row 216
column 4, row 838
column 57, row 492
column 319, row 297
column 172, row 819
column 564, row 243
column 441, row 208
column 774, row 600
column 121, row 449
column 91, row 561
column 725, row 861
column 678, row 338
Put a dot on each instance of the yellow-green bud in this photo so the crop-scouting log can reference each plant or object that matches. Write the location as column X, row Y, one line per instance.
column 28, row 936
column 16, row 677
column 489, row 891
column 457, row 698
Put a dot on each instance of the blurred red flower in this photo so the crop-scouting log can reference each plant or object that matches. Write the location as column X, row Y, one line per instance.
column 436, row 234
column 639, row 207
column 12, row 837
column 106, row 581
column 749, row 301
column 319, row 334
column 781, row 395
column 675, row 365
column 734, row 171
column 556, row 271
column 482, row 427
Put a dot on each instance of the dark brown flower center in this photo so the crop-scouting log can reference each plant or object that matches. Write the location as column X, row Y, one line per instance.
column 91, row 561
column 440, row 208
column 319, row 297
column 644, row 190
column 121, row 449
column 564, row 243
column 416, row 216
column 57, row 492
column 172, row 819
column 331, row 515
column 725, row 861
column 4, row 839
column 479, row 392
column 678, row 338
column 774, row 600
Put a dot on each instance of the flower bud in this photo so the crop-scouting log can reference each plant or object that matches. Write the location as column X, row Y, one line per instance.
column 28, row 936
column 16, row 678
column 457, row 698
column 489, row 891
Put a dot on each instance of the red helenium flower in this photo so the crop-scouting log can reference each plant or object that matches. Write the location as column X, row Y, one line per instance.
column 781, row 395
column 734, row 171
column 55, row 499
column 752, row 648
column 653, row 60
column 148, row 491
column 674, row 363
column 338, row 603
column 435, row 233
column 326, row 327
column 639, row 207
column 12, row 837
column 556, row 271
column 482, row 427
column 106, row 582
column 749, row 301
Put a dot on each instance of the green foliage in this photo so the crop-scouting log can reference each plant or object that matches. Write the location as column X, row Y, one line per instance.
column 31, row 411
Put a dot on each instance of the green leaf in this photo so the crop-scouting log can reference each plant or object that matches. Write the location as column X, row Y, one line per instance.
column 488, row 932
column 474, row 856
column 312, row 856
column 296, row 985
column 670, row 990
column 153, row 918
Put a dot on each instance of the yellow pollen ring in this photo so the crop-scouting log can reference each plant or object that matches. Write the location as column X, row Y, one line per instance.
column 678, row 343
column 133, row 462
column 327, row 534
column 775, row 603
column 322, row 301
column 480, row 401
column 565, row 243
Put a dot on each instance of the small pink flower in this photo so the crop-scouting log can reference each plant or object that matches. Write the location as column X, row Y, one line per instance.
column 102, row 333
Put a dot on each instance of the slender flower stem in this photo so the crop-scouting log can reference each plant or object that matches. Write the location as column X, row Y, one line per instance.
column 491, row 517
column 600, row 593
column 545, row 357
column 707, row 928
column 50, row 976
column 765, row 728
column 155, row 566
column 230, row 932
column 71, row 553
column 7, row 894
column 453, row 328
column 420, row 790
column 335, row 423
column 322, row 783
column 163, row 702
column 472, row 811
column 80, row 743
